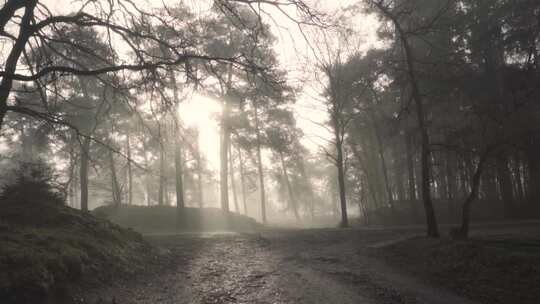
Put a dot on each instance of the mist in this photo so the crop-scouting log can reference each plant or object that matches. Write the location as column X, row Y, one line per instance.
column 230, row 151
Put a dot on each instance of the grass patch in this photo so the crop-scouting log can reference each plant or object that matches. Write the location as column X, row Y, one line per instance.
column 485, row 270
column 47, row 249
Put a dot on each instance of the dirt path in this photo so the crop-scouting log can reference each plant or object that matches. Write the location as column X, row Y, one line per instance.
column 315, row 266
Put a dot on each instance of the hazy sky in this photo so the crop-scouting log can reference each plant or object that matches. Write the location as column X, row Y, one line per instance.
column 296, row 55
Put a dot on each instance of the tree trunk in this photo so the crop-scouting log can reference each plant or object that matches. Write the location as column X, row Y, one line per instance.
column 292, row 200
column 179, row 185
column 25, row 31
column 431, row 220
column 224, row 158
column 129, row 171
column 505, row 184
column 259, row 163
column 242, row 180
column 116, row 196
column 161, row 175
column 380, row 150
column 370, row 186
column 83, row 171
column 199, row 175
column 341, row 182
column 463, row 231
column 147, row 176
column 410, row 169
column 233, row 182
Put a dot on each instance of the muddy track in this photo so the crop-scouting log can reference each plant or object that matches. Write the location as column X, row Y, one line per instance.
column 322, row 266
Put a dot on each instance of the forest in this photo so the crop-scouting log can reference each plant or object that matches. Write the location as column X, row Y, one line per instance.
column 379, row 151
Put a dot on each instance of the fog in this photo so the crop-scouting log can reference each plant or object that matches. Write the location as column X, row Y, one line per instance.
column 231, row 151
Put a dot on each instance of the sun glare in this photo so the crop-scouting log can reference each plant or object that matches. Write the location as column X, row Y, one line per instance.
column 200, row 112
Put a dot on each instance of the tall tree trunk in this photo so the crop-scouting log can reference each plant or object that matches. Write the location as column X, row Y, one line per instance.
column 83, row 171
column 259, row 162
column 161, row 199
column 520, row 191
column 233, row 182
column 380, row 150
column 116, row 196
column 129, row 171
column 178, row 162
column 505, row 184
column 463, row 231
column 341, row 182
column 224, row 147
column 179, row 185
column 431, row 220
column 451, row 184
column 242, row 180
column 200, row 175
column 148, row 177
column 410, row 169
column 362, row 163
column 292, row 200
column 363, row 201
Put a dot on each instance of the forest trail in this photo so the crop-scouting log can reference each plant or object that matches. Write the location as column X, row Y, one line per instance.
column 301, row 266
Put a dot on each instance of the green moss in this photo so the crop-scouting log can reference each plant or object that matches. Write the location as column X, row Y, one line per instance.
column 46, row 248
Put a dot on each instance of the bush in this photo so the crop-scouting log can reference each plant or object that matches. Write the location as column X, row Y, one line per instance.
column 32, row 182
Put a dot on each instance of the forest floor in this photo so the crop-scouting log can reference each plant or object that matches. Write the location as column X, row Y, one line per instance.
column 339, row 266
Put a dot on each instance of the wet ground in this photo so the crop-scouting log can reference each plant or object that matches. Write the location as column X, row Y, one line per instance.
column 294, row 266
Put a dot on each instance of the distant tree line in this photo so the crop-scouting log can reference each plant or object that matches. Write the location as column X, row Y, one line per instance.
column 445, row 114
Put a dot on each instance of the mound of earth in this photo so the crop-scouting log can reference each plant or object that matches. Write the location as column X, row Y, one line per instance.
column 156, row 219
column 48, row 250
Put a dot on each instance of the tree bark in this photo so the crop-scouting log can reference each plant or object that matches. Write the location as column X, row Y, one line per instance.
column 179, row 185
column 259, row 163
column 431, row 220
column 505, row 184
column 380, row 150
column 83, row 171
column 242, row 180
column 129, row 171
column 463, row 231
column 341, row 182
column 199, row 175
column 116, row 196
column 292, row 200
column 10, row 65
column 161, row 174
column 233, row 182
